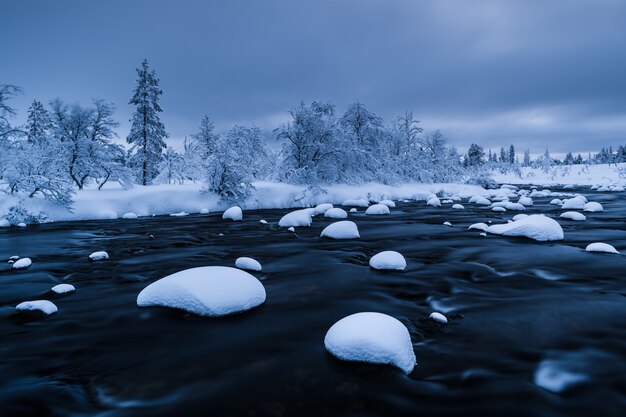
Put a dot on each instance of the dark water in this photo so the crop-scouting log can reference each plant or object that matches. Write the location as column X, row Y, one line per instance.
column 513, row 303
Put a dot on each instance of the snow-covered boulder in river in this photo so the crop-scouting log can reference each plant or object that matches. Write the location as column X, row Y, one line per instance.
column 373, row 338
column 388, row 260
column 204, row 211
column 439, row 318
column 388, row 203
column 205, row 291
column 129, row 216
column 234, row 213
column 22, row 263
column 377, row 209
column 62, row 288
column 248, row 264
column 434, row 202
column 298, row 218
column 556, row 201
column 447, row 224
column 356, row 203
column 336, row 213
column 575, row 203
column 179, row 214
column 525, row 201
column 478, row 226
column 573, row 215
column 536, row 226
column 341, row 230
column 498, row 209
column 99, row 256
column 323, row 208
column 458, row 206
column 593, row 207
column 44, row 306
column 601, row 247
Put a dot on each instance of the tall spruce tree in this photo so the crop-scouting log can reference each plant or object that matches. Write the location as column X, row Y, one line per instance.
column 147, row 133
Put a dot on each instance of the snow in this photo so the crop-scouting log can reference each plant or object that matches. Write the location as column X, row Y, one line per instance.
column 44, row 306
column 575, row 203
column 377, row 209
column 248, row 264
column 434, row 201
column 353, row 210
column 204, row 210
column 388, row 260
column 482, row 201
column 556, row 201
column 205, row 291
column 536, row 226
column 519, row 216
column 388, row 203
column 525, row 201
column 234, row 213
column 341, row 230
column 573, row 215
column 509, row 205
column 291, row 229
column 447, row 224
column 356, row 203
column 483, row 234
column 498, row 209
column 263, row 221
column 4, row 223
column 601, row 247
column 98, row 256
column 372, row 338
column 129, row 215
column 21, row 225
column 438, row 317
column 336, row 213
column 478, row 226
column 62, row 288
column 458, row 206
column 581, row 175
column 323, row 208
column 593, row 207
column 298, row 218
column 22, row 263
column 180, row 214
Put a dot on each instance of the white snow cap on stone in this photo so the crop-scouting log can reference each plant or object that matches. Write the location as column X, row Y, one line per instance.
column 204, row 211
column 573, row 215
column 205, row 291
column 498, row 209
column 44, row 306
column 129, row 215
column 509, row 205
column 323, row 208
column 478, row 226
column 377, row 209
column 291, row 229
column 336, row 213
column 298, row 218
column 234, row 213
column 575, row 203
column 519, row 216
column 249, row 264
column 458, row 206
column 447, row 224
column 62, row 288
column 482, row 201
column 388, row 260
column 593, row 207
column 353, row 210
column 341, row 230
column 356, row 203
column 388, row 203
column 180, row 214
column 21, row 225
column 373, row 338
column 525, row 201
column 98, row 256
column 263, row 221
column 433, row 201
column 438, row 317
column 536, row 226
column 601, row 247
column 556, row 201
column 22, row 263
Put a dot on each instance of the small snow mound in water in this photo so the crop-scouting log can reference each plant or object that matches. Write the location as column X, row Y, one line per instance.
column 498, row 209
column 519, row 216
column 556, row 201
column 44, row 306
column 434, row 201
column 336, row 213
column 575, row 203
column 129, row 215
column 525, row 201
column 482, row 201
column 248, row 264
column 263, row 221
column 62, row 288
column 601, row 247
column 509, row 206
column 353, row 210
column 180, row 214
column 341, row 230
column 536, row 226
column 291, row 229
column 377, row 209
column 205, row 291
column 22, row 263
column 478, row 226
column 298, row 218
column 439, row 318
column 4, row 223
column 483, row 234
column 323, row 208
column 509, row 187
column 447, row 224
column 21, row 225
column 388, row 203
column 98, row 256
column 204, row 211
column 388, row 260
column 234, row 213
column 593, row 207
column 551, row 376
column 356, row 203
column 372, row 338
column 568, row 187
column 573, row 215
column 617, row 188
column 458, row 206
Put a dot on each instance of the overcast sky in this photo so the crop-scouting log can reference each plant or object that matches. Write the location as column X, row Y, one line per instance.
column 534, row 73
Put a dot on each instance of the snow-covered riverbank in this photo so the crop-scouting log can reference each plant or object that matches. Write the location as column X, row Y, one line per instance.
column 603, row 174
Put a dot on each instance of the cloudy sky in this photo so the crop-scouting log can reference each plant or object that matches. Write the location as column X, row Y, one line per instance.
column 536, row 73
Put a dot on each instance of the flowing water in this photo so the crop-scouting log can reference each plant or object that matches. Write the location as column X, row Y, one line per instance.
column 514, row 305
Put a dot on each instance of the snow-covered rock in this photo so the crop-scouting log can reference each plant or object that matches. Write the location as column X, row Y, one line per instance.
column 388, row 203
column 234, row 213
column 458, row 206
column 179, row 214
column 509, row 205
column 483, row 234
column 556, row 201
column 536, row 226
column 353, row 210
column 447, row 224
column 568, row 187
column 99, row 256
column 341, row 230
column 22, row 263
column 482, row 201
column 601, row 247
column 388, row 260
column 509, row 187
column 525, row 201
column 478, row 226
column 44, row 306
column 617, row 188
column 336, row 213
column 291, row 229
column 498, row 209
column 62, row 288
column 204, row 211
column 129, row 215
column 248, row 264
column 593, row 207
column 356, row 203
column 434, row 202
column 573, row 215
column 373, row 338
column 205, row 291
column 439, row 318
column 323, row 208
column 377, row 209
column 22, row 225
column 4, row 223
column 519, row 216
column 298, row 218
column 263, row 221
column 575, row 203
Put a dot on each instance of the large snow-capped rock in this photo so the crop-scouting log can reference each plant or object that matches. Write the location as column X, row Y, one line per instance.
column 388, row 260
column 129, row 216
column 525, row 201
column 536, row 226
column 62, row 288
column 323, row 208
column 99, row 256
column 372, row 338
column 234, row 213
column 377, row 209
column 458, row 206
column 498, row 209
column 573, row 215
column 508, row 205
column 482, row 201
column 434, row 202
column 593, row 207
column 336, row 213
column 248, row 264
column 556, row 201
column 341, row 230
column 205, row 291
column 298, row 218
column 22, row 263
column 356, row 203
column 44, row 306
column 601, row 247
column 576, row 203
column 388, row 203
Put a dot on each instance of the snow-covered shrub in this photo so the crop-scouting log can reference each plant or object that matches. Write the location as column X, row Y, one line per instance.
column 20, row 213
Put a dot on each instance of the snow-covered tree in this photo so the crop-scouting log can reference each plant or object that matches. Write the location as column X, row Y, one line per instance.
column 38, row 124
column 569, row 159
column 475, row 155
column 526, row 161
column 172, row 168
column 147, row 133
column 511, row 155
